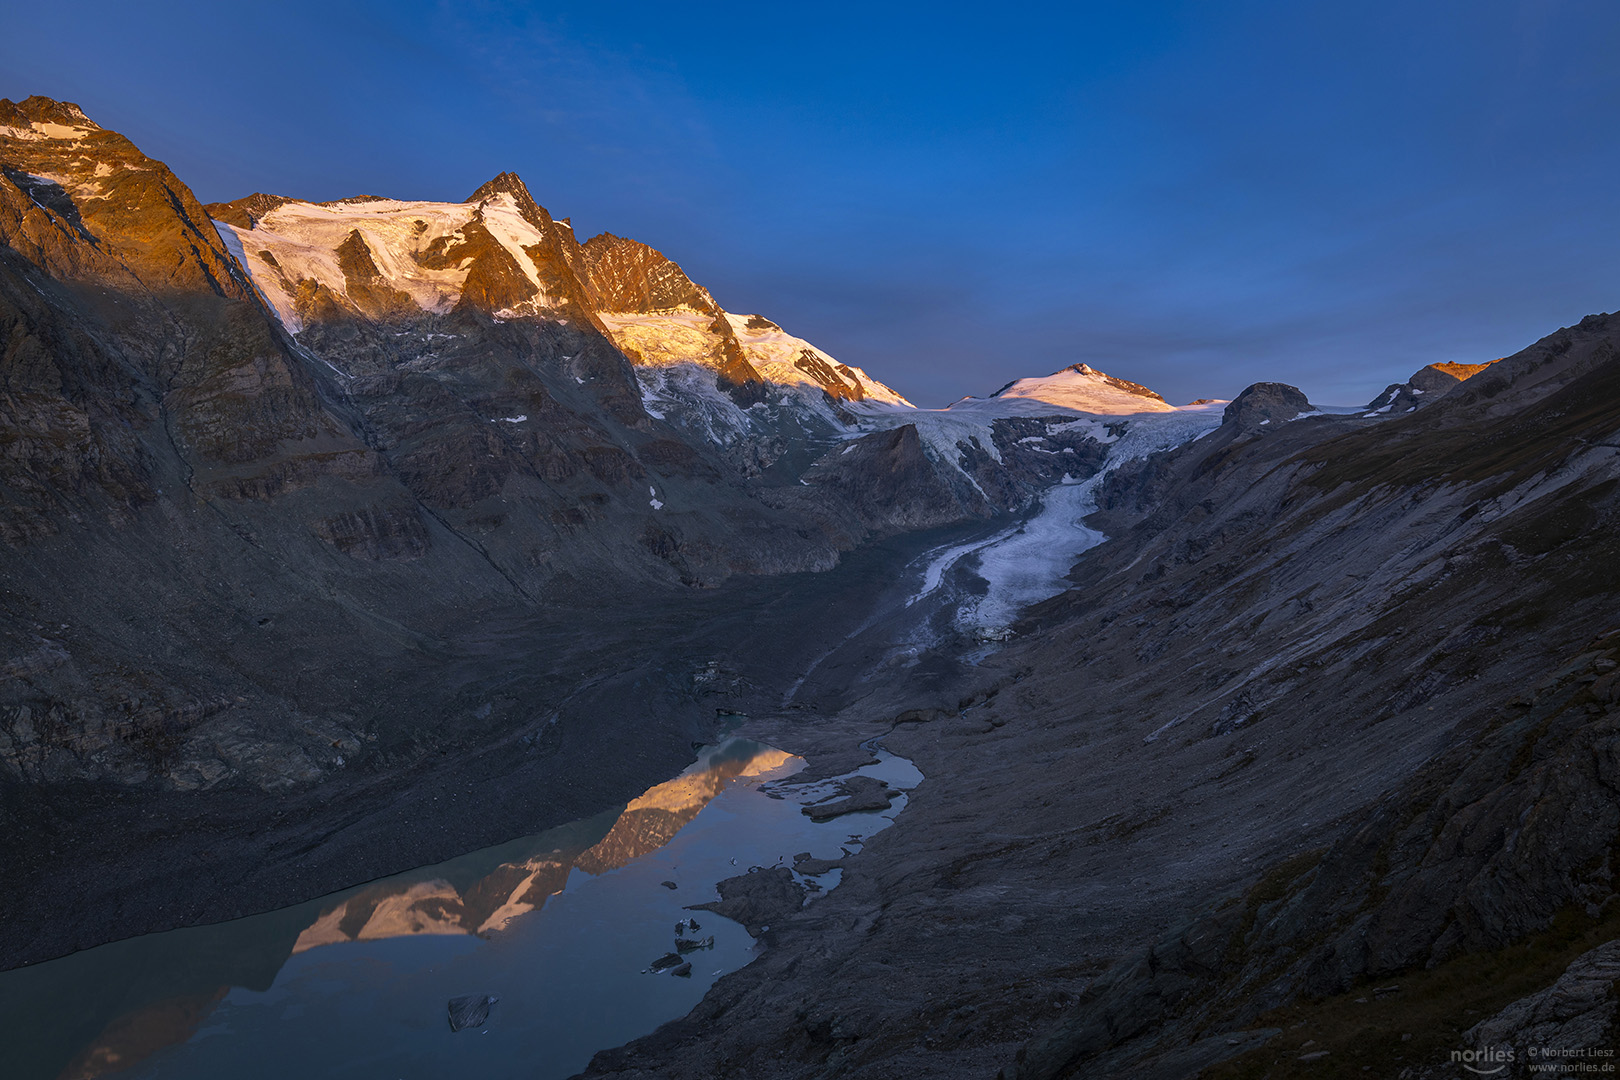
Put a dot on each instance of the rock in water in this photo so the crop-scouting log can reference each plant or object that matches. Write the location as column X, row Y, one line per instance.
column 757, row 899
column 810, row 867
column 470, row 1012
column 684, row 971
column 861, row 793
column 668, row 960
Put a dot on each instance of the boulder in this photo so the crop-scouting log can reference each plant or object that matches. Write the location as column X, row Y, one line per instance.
column 470, row 1011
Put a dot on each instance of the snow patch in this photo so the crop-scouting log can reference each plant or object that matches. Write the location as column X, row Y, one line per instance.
column 775, row 354
column 513, row 232
column 38, row 131
column 303, row 238
column 663, row 338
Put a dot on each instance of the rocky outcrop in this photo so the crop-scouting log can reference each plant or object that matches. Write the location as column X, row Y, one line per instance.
column 757, row 899
column 1427, row 385
column 628, row 276
column 1265, row 403
column 1566, row 1022
column 855, row 795
column 889, row 483
column 136, row 344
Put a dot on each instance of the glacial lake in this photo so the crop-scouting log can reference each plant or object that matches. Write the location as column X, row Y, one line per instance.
column 561, row 928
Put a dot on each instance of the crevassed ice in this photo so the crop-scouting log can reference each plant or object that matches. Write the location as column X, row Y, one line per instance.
column 1030, row 562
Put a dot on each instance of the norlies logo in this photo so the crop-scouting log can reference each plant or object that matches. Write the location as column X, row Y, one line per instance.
column 1484, row 1062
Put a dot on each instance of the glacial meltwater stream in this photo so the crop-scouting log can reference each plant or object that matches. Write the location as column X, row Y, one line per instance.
column 563, row 929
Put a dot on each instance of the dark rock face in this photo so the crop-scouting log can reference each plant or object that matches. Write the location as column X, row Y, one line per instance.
column 1574, row 1015
column 365, row 284
column 1265, row 402
column 1034, row 453
column 888, row 482
column 133, row 338
column 1425, row 387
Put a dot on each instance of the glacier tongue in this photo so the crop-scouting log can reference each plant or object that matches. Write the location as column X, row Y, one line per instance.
column 1030, row 562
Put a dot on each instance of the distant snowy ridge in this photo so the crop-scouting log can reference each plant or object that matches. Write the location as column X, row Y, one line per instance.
column 685, row 335
column 772, row 401
column 1079, row 387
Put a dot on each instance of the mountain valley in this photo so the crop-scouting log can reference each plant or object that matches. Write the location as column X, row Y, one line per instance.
column 343, row 538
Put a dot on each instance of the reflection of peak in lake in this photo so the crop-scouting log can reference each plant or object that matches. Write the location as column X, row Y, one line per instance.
column 136, row 998
column 418, row 904
column 397, row 909
column 649, row 822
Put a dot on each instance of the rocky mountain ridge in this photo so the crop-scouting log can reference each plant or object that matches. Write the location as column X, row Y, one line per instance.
column 1425, row 386
column 502, row 253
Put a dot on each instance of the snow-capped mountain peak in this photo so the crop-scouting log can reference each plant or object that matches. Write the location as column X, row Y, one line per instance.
column 1079, row 387
column 502, row 253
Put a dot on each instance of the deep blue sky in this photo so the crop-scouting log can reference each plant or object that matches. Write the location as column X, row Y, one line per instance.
column 1191, row 195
